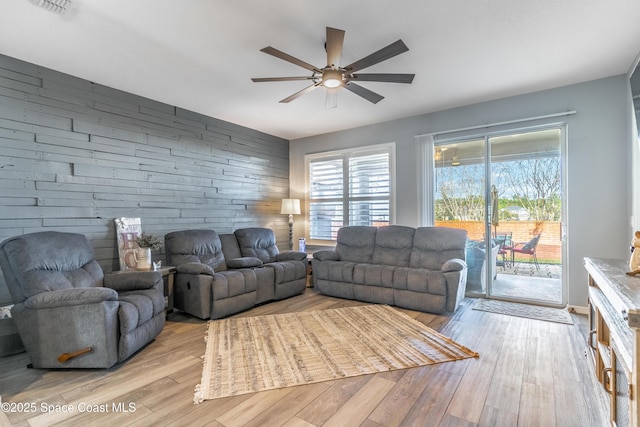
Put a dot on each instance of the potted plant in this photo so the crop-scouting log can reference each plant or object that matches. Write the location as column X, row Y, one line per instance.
column 146, row 243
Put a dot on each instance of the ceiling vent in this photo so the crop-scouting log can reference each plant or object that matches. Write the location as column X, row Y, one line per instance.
column 55, row 6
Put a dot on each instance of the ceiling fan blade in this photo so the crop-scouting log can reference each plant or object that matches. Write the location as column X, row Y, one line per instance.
column 302, row 92
column 383, row 54
column 280, row 79
column 365, row 93
column 331, row 100
column 279, row 54
column 382, row 77
column 335, row 39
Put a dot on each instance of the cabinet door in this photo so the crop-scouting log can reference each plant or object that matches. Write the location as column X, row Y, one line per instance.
column 620, row 396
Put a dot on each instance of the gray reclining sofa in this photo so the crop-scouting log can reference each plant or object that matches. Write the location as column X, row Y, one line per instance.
column 222, row 274
column 420, row 269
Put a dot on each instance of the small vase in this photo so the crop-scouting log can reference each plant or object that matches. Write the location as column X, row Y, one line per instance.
column 143, row 259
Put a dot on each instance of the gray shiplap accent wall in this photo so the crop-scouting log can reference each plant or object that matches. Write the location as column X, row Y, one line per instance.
column 74, row 155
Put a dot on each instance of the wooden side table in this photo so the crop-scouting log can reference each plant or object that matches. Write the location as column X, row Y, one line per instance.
column 309, row 271
column 168, row 276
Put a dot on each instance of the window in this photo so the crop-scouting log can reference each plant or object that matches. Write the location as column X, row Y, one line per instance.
column 350, row 187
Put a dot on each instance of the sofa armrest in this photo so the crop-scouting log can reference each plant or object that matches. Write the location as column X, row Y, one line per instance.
column 326, row 255
column 454, row 264
column 291, row 256
column 68, row 297
column 244, row 262
column 132, row 280
column 195, row 268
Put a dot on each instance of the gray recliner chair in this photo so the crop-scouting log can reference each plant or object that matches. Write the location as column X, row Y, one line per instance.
column 68, row 313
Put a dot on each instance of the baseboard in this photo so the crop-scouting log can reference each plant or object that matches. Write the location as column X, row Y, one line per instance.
column 578, row 309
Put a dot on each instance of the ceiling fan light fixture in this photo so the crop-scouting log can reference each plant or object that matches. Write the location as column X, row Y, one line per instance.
column 334, row 77
column 331, row 78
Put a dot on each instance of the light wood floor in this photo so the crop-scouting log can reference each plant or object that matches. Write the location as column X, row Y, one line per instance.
column 530, row 373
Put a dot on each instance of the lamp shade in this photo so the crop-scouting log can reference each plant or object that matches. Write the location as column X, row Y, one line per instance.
column 290, row 207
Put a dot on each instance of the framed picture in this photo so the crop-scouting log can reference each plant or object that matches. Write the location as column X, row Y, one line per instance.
column 127, row 231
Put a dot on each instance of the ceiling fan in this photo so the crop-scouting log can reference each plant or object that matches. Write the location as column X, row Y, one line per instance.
column 333, row 77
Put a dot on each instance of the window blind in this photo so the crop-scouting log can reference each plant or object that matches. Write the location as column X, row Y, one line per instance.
column 351, row 188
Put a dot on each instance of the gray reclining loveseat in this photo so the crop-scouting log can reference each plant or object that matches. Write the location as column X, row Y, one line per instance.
column 419, row 269
column 222, row 274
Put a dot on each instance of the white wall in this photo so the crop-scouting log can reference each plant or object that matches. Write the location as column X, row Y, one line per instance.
column 599, row 170
column 635, row 155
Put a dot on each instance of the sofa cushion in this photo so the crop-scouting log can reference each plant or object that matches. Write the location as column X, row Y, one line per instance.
column 38, row 281
column 335, row 271
column 135, row 309
column 292, row 256
column 244, row 262
column 195, row 268
column 355, row 243
column 228, row 284
column 433, row 246
column 373, row 275
column 230, row 247
column 68, row 297
column 195, row 246
column 393, row 245
column 257, row 242
column 456, row 264
column 288, row 271
column 48, row 261
column 326, row 255
column 420, row 280
column 131, row 280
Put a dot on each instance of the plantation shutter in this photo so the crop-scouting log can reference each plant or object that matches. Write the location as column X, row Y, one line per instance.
column 326, row 198
column 349, row 188
column 369, row 190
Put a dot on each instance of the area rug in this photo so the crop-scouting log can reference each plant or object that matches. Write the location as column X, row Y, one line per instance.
column 550, row 314
column 251, row 354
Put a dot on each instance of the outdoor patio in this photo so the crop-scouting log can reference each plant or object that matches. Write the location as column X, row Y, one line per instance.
column 521, row 279
column 524, row 280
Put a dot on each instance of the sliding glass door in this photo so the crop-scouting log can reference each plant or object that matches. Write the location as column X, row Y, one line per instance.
column 460, row 201
column 505, row 190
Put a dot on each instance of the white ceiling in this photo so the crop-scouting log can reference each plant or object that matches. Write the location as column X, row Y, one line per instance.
column 201, row 54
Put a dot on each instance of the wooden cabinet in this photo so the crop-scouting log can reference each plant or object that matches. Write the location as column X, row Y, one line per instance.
column 614, row 316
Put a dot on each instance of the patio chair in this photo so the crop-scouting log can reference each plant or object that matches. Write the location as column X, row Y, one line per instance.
column 504, row 242
column 528, row 248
